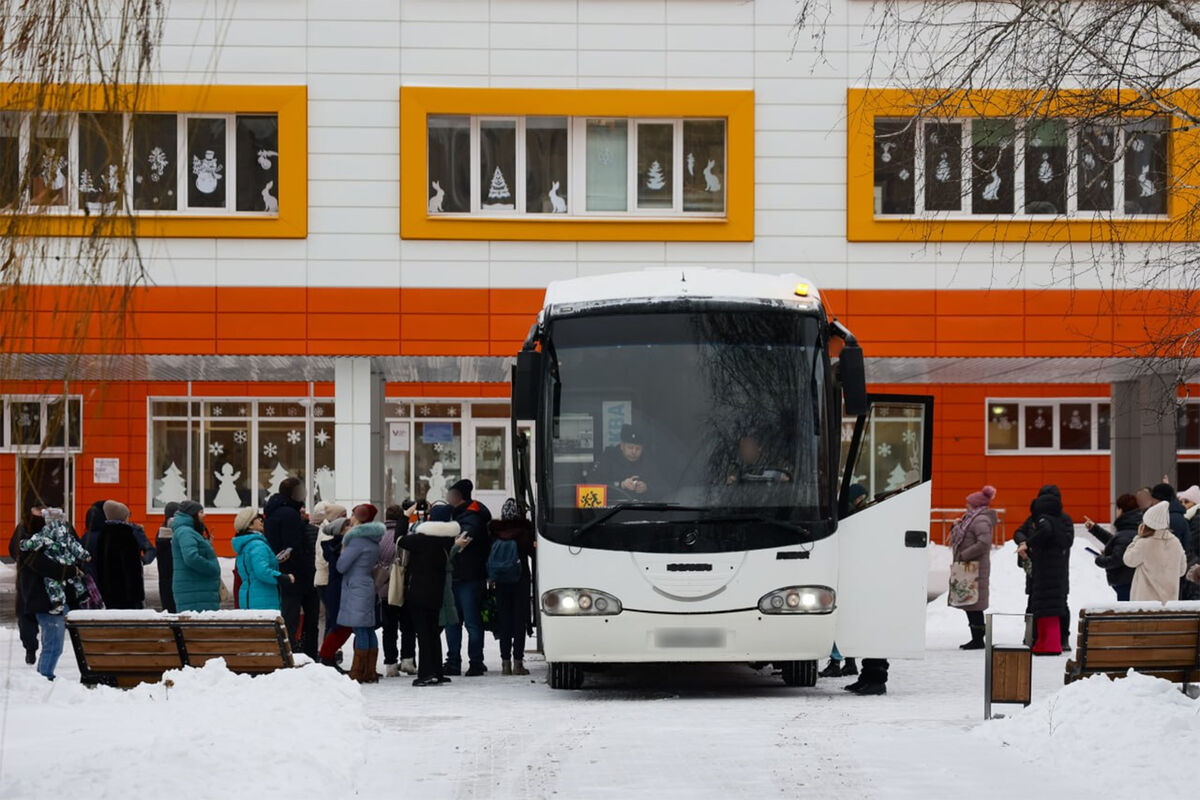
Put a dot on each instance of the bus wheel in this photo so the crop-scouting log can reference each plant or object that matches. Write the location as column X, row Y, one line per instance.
column 567, row 676
column 800, row 673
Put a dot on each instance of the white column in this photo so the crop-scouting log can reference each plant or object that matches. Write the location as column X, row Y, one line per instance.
column 358, row 422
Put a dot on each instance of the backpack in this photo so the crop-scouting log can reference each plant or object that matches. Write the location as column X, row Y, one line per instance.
column 504, row 562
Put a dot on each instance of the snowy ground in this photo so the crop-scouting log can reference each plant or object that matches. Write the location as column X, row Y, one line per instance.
column 721, row 731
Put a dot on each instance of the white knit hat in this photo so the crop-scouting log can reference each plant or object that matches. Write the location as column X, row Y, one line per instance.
column 1158, row 516
column 243, row 519
column 1191, row 494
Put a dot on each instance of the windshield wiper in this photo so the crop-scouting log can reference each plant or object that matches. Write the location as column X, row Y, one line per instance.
column 779, row 523
column 632, row 505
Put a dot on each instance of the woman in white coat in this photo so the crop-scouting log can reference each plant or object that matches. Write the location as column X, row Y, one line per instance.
column 1157, row 558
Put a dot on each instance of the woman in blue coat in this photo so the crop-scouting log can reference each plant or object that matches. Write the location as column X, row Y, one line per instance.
column 256, row 563
column 360, row 552
column 196, row 581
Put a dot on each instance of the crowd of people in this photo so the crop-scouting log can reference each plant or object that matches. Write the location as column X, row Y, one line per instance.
column 420, row 572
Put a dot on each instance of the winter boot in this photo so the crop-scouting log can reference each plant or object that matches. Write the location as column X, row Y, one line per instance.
column 430, row 681
column 476, row 669
column 356, row 667
column 866, row 689
column 832, row 670
column 850, row 667
column 369, row 673
column 976, row 642
column 329, row 662
column 408, row 666
column 1049, row 640
column 391, row 670
column 519, row 667
column 31, row 657
column 506, row 668
column 450, row 668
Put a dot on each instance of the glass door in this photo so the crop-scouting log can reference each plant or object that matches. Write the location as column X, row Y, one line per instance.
column 492, row 467
column 47, row 482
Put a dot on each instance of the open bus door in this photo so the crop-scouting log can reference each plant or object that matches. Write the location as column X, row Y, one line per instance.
column 883, row 530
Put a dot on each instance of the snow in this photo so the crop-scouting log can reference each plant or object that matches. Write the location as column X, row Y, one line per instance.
column 683, row 281
column 715, row 731
column 225, row 615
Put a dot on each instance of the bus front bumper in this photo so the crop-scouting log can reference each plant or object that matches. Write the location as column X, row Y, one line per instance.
column 736, row 636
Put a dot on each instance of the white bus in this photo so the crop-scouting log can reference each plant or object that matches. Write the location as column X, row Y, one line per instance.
column 701, row 495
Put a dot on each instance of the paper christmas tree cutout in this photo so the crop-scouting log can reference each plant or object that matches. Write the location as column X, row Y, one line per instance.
column 172, row 486
column 499, row 188
column 654, row 177
column 896, row 478
column 277, row 476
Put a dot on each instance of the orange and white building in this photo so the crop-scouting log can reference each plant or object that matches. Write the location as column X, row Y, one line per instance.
column 332, row 206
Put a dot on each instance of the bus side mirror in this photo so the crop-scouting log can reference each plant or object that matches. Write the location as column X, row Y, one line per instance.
column 853, row 373
column 526, row 384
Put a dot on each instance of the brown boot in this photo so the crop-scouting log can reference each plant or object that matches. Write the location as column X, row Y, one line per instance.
column 356, row 668
column 370, row 660
column 518, row 667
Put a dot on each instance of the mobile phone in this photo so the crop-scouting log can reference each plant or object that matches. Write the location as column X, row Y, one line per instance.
column 1090, row 550
column 283, row 555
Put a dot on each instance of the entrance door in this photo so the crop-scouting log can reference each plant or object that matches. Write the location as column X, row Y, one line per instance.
column 883, row 532
column 47, row 482
column 492, row 468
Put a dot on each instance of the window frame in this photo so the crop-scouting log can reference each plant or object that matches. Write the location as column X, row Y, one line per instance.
column 1056, row 403
column 7, row 446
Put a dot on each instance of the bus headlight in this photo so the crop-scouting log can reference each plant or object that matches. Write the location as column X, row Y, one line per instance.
column 799, row 600
column 579, row 603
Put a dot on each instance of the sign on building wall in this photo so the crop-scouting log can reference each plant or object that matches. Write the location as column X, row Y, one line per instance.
column 398, row 437
column 106, row 470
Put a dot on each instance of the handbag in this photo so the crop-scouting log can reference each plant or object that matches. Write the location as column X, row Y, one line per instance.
column 964, row 584
column 223, row 592
column 395, row 594
column 93, row 600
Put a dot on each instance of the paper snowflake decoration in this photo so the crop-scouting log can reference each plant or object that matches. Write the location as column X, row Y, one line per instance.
column 908, row 437
column 438, row 447
column 25, row 420
column 270, row 449
column 216, row 449
column 293, row 437
column 884, row 450
column 318, row 411
column 242, row 411
column 291, row 411
column 270, row 411
column 240, row 437
column 425, row 411
column 453, row 412
column 321, row 437
column 218, row 411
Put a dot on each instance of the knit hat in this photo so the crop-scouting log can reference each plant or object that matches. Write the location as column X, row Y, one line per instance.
column 1191, row 494
column 317, row 515
column 1158, row 516
column 442, row 512
column 510, row 510
column 243, row 519
column 1163, row 491
column 171, row 509
column 191, row 508
column 115, row 512
column 54, row 515
column 334, row 511
column 464, row 488
column 981, row 498
column 365, row 512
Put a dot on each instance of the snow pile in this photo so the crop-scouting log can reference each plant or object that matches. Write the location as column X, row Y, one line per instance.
column 205, row 732
column 1123, row 736
column 150, row 615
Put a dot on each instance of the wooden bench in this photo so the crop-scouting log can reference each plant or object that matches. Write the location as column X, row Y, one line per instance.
column 1162, row 642
column 125, row 648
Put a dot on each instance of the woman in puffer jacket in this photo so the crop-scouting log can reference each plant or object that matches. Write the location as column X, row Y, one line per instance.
column 971, row 542
column 256, row 563
column 360, row 554
column 1157, row 558
column 196, row 578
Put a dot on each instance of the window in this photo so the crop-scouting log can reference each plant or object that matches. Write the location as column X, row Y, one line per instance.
column 548, row 165
column 36, row 424
column 1020, row 167
column 1047, row 426
column 1188, row 430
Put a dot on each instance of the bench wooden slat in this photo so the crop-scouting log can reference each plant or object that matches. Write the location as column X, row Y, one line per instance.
column 134, row 663
column 1159, row 656
column 130, row 648
column 236, row 662
column 1100, row 626
column 1140, row 640
column 256, row 633
column 95, row 634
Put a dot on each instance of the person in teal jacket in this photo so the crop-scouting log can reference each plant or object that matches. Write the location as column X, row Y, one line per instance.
column 196, row 581
column 256, row 563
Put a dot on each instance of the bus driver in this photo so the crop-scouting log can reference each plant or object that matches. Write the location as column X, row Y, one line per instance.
column 753, row 465
column 624, row 466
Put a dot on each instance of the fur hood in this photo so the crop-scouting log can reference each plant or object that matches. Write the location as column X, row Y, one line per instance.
column 365, row 530
column 448, row 530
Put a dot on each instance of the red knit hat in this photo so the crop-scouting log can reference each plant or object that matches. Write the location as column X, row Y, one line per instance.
column 365, row 512
column 982, row 498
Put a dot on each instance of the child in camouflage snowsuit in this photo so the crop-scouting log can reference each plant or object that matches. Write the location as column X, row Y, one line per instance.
column 56, row 543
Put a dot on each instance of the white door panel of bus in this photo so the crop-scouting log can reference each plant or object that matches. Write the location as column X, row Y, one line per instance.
column 883, row 533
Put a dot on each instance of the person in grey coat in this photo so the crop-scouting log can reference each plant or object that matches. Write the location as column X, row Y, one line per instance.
column 360, row 553
column 971, row 542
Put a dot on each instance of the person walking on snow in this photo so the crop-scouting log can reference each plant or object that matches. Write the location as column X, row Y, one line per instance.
column 1157, row 557
column 51, row 575
column 508, row 567
column 1112, row 558
column 196, row 579
column 256, row 563
column 971, row 542
column 360, row 554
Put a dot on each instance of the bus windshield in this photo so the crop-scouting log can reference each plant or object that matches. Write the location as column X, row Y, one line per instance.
column 683, row 417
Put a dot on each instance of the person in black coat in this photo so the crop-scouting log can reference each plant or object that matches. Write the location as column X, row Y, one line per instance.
column 1179, row 522
column 1023, row 532
column 1048, row 547
column 120, row 572
column 425, row 585
column 289, row 535
column 166, row 562
column 27, row 624
column 470, row 580
column 1112, row 559
column 93, row 523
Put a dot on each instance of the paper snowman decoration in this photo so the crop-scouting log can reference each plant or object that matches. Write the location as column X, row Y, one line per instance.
column 207, row 172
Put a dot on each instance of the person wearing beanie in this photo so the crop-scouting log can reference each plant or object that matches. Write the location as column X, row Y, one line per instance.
column 399, row 638
column 256, row 564
column 512, row 539
column 1045, row 540
column 365, row 512
column 329, row 513
column 162, row 542
column 290, row 537
column 1163, row 492
column 196, row 578
column 119, row 564
column 429, row 547
column 971, row 548
column 1157, row 557
column 360, row 554
column 470, row 580
column 1112, row 559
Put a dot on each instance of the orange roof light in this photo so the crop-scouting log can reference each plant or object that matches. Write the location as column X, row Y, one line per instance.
column 801, row 290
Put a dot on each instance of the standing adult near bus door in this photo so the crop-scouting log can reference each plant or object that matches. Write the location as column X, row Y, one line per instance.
column 873, row 680
column 508, row 568
column 470, row 577
column 971, row 549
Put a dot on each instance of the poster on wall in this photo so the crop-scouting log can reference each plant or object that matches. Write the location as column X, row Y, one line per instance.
column 616, row 413
column 398, row 437
column 437, row 433
column 106, row 470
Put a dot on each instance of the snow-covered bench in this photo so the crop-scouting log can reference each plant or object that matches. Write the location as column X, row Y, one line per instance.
column 125, row 648
column 1156, row 639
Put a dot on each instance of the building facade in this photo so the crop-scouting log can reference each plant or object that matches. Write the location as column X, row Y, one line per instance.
column 403, row 185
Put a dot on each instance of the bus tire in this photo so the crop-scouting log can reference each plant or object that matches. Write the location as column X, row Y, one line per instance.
column 800, row 673
column 566, row 676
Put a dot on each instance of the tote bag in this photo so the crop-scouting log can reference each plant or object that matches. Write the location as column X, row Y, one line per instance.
column 395, row 595
column 964, row 584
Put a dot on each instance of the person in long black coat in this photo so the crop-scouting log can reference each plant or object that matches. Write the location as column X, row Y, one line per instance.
column 120, row 572
column 27, row 624
column 166, row 562
column 1049, row 551
column 1021, row 537
column 424, row 588
column 288, row 531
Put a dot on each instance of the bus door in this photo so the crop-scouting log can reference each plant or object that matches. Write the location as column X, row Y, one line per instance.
column 883, row 530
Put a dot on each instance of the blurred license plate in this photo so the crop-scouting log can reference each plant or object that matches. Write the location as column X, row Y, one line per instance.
column 689, row 637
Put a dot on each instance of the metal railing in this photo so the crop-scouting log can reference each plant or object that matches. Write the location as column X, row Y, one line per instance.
column 946, row 517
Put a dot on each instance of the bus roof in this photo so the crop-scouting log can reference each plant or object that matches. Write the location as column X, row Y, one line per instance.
column 662, row 283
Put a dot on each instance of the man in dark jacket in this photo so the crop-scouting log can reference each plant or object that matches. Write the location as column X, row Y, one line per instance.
column 1179, row 523
column 120, row 573
column 288, row 533
column 166, row 563
column 424, row 587
column 470, row 577
column 1112, row 560
column 27, row 624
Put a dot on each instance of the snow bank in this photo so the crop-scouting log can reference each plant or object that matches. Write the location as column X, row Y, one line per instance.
column 1123, row 736
column 201, row 732
column 1177, row 605
column 146, row 615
